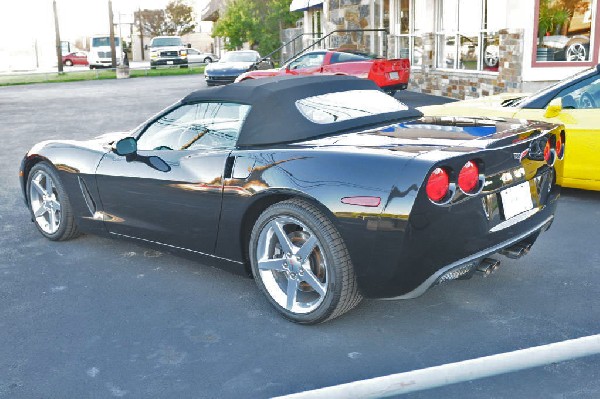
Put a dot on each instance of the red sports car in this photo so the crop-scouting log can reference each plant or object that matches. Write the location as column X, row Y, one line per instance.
column 390, row 75
column 75, row 58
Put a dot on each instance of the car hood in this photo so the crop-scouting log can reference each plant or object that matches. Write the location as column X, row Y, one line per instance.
column 434, row 134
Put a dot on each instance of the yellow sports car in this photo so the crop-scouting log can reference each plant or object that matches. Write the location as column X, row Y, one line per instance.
column 575, row 102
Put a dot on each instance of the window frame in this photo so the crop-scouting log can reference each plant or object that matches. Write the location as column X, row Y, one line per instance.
column 441, row 33
column 139, row 131
column 594, row 41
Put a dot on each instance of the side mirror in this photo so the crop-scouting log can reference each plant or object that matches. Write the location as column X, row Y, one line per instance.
column 126, row 146
column 189, row 45
column 553, row 108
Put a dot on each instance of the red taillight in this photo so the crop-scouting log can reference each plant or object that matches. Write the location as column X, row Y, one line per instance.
column 560, row 145
column 438, row 185
column 468, row 178
column 547, row 153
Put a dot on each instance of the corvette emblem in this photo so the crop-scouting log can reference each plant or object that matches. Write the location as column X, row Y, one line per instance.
column 520, row 155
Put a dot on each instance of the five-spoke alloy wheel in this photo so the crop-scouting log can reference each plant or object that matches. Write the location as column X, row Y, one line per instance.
column 49, row 205
column 301, row 263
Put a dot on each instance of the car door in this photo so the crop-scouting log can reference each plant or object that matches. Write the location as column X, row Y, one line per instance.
column 176, row 201
column 193, row 55
column 581, row 117
column 307, row 64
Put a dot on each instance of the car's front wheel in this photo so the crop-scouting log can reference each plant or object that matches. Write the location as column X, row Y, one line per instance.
column 301, row 263
column 207, row 60
column 49, row 205
column 577, row 50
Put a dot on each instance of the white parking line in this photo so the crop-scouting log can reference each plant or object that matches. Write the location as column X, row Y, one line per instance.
column 452, row 373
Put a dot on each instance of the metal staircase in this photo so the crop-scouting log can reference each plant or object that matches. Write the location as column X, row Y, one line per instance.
column 372, row 41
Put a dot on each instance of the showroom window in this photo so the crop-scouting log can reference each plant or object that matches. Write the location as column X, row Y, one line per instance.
column 467, row 33
column 411, row 20
column 564, row 31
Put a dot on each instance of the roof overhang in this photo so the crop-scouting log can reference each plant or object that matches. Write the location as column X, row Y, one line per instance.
column 304, row 5
column 211, row 11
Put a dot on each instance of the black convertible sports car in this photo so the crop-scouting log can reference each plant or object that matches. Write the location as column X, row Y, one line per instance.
column 325, row 189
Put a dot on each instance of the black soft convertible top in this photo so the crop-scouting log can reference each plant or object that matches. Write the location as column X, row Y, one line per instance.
column 273, row 116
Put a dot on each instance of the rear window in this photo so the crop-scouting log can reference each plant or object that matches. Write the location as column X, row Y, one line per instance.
column 347, row 105
column 336, row 58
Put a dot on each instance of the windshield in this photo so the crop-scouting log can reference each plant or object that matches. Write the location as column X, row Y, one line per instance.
column 245, row 56
column 542, row 93
column 104, row 41
column 166, row 42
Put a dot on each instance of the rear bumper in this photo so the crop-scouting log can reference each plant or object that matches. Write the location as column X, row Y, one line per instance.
column 407, row 256
column 472, row 261
column 399, row 86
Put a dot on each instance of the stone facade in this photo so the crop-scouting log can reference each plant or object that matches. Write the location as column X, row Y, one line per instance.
column 461, row 84
column 354, row 15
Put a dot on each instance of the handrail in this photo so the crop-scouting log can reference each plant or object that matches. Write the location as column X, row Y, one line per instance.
column 317, row 42
column 283, row 45
column 331, row 33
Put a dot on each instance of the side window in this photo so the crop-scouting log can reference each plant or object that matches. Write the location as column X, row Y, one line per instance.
column 192, row 51
column 307, row 61
column 194, row 126
column 585, row 94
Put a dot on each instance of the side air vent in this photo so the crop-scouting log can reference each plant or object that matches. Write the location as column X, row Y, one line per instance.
column 86, row 196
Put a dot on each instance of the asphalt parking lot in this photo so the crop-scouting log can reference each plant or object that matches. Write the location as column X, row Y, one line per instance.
column 100, row 318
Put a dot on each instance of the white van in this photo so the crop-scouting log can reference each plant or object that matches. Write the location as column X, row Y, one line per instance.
column 99, row 55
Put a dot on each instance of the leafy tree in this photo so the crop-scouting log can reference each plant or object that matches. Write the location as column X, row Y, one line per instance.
column 152, row 22
column 256, row 22
column 176, row 19
column 180, row 18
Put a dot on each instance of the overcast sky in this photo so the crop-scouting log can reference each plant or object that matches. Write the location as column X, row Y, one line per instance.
column 30, row 19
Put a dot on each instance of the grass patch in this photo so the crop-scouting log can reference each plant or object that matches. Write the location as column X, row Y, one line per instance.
column 95, row 74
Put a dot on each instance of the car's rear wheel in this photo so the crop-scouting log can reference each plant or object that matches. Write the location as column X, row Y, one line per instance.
column 49, row 205
column 69, row 63
column 301, row 263
column 207, row 60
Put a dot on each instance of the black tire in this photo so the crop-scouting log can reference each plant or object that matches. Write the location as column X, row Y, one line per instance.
column 340, row 286
column 68, row 63
column 207, row 60
column 67, row 228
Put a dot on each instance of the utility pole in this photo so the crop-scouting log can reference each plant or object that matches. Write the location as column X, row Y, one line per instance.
column 58, row 46
column 141, row 29
column 113, row 51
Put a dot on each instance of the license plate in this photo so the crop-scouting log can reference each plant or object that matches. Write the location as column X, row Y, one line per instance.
column 516, row 200
column 394, row 75
column 169, row 62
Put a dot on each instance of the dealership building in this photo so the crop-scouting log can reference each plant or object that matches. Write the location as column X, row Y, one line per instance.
column 465, row 48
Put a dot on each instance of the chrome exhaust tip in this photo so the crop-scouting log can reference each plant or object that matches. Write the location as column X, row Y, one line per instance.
column 487, row 266
column 516, row 251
